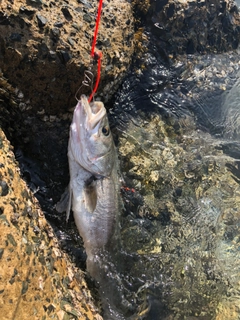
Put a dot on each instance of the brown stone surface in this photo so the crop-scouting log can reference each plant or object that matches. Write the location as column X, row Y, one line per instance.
column 37, row 280
column 45, row 48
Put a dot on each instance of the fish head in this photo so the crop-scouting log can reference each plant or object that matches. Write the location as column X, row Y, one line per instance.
column 91, row 143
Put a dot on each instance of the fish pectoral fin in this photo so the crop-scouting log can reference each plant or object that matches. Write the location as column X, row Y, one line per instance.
column 64, row 204
column 90, row 196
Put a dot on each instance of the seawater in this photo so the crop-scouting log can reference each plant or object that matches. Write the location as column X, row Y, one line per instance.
column 176, row 124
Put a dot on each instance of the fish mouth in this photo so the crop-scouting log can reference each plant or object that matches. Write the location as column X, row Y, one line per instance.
column 94, row 112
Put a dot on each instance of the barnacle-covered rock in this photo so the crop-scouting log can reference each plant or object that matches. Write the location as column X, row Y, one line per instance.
column 45, row 48
column 37, row 279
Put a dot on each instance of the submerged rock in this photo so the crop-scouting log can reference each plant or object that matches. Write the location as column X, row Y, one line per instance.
column 181, row 222
column 180, row 230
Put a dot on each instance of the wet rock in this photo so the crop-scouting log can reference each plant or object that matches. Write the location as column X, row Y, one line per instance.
column 42, row 21
column 15, row 37
column 37, row 279
column 35, row 2
column 87, row 18
column 194, row 26
column 56, row 31
column 4, row 188
column 58, row 24
column 43, row 50
column 52, row 55
column 66, row 14
column 4, row 19
column 28, row 12
column 71, row 41
column 86, row 3
column 53, row 23
column 65, row 56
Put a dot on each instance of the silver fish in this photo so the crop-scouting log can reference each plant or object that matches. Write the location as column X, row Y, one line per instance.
column 94, row 183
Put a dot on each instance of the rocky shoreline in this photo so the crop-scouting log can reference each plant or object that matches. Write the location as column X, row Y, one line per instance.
column 37, row 280
column 44, row 50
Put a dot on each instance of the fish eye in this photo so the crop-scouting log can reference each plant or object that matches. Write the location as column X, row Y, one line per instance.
column 105, row 130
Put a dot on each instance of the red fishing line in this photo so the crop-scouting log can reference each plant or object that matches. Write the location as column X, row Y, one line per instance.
column 94, row 54
column 98, row 77
column 96, row 28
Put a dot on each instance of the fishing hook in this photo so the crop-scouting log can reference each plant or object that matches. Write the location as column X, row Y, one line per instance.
column 87, row 82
